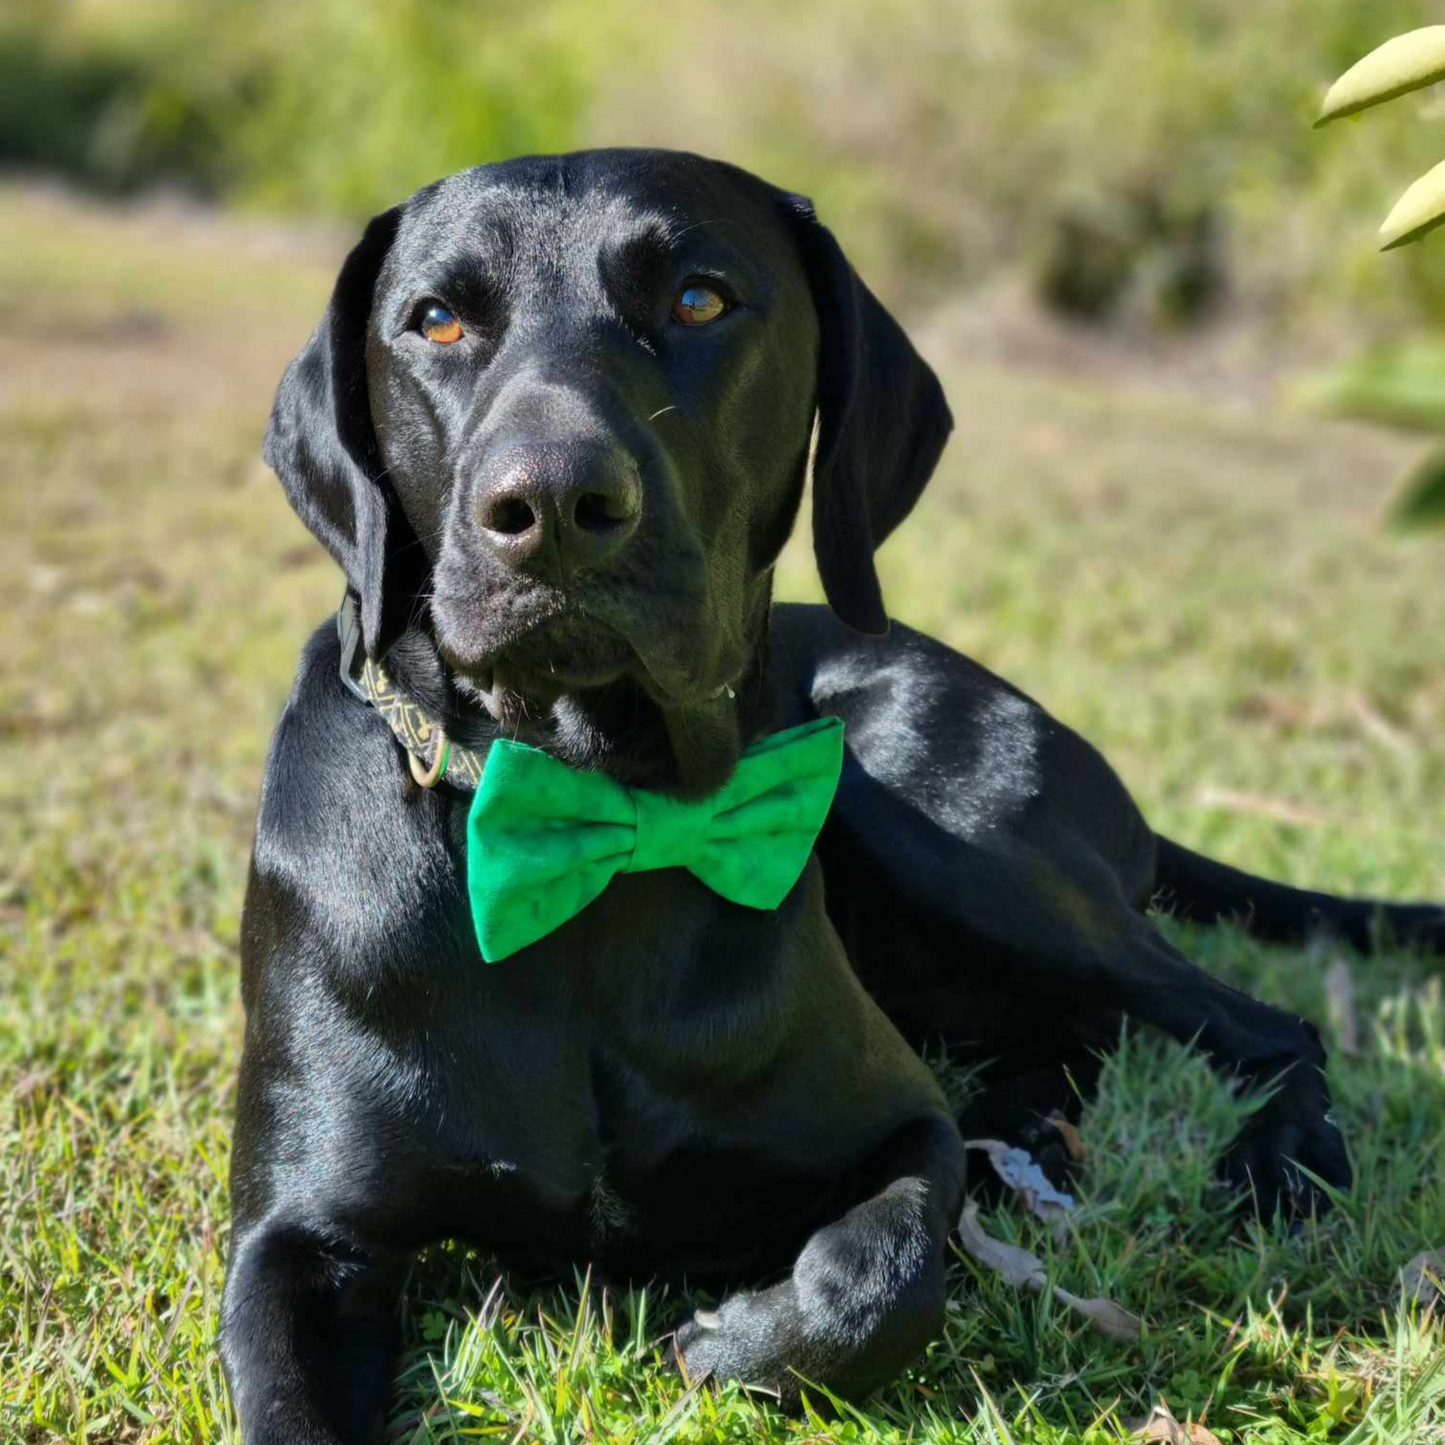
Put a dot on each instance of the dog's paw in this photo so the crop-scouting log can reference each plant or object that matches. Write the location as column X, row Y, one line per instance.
column 1267, row 1162
column 746, row 1339
column 851, row 1316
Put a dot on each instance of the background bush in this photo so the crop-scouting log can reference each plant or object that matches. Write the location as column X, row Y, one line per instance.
column 948, row 139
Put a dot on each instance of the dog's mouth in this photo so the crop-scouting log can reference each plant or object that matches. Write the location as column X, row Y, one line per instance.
column 525, row 680
column 574, row 651
column 650, row 692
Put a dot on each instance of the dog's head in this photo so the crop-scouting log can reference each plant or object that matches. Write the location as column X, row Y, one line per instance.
column 557, row 416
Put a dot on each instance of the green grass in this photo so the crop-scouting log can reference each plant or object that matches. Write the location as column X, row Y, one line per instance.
column 1198, row 585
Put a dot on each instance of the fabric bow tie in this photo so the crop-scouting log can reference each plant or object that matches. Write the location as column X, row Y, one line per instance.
column 543, row 840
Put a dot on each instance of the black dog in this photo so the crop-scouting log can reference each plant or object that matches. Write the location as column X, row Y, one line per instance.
column 555, row 426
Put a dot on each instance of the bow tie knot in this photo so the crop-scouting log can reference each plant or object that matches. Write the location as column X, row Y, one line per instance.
column 544, row 840
column 671, row 832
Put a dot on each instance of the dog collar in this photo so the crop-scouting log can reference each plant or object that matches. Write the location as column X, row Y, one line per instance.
column 432, row 756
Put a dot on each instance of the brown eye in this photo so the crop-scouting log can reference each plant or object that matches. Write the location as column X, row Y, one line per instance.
column 697, row 305
column 439, row 325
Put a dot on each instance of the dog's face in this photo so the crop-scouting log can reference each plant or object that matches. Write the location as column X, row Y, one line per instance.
column 602, row 443
column 558, row 416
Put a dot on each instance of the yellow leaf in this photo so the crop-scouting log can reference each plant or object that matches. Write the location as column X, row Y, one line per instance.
column 1417, row 212
column 1111, row 1320
column 1405, row 63
column 1160, row 1427
column 1020, row 1269
column 1073, row 1143
column 1016, row 1266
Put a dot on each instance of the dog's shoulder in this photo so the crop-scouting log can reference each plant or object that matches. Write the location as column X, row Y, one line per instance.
column 902, row 670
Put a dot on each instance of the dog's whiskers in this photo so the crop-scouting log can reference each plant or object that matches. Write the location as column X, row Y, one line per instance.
column 676, row 236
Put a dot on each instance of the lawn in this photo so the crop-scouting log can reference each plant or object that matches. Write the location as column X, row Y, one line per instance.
column 1188, row 574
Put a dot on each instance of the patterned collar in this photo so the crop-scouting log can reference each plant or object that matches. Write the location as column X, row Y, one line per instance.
column 432, row 756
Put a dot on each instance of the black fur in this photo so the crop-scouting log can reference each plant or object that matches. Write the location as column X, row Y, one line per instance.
column 668, row 1085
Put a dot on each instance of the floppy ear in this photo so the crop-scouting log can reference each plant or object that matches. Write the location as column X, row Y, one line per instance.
column 320, row 442
column 882, row 423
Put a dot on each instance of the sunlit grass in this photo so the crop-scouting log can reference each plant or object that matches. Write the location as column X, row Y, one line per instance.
column 1201, row 592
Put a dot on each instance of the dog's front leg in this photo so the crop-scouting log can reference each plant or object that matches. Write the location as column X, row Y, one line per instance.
column 308, row 1336
column 866, row 1294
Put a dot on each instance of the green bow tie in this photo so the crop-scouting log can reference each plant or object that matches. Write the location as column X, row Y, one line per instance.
column 543, row 840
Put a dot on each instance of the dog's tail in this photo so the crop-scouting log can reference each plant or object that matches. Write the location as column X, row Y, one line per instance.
column 1198, row 888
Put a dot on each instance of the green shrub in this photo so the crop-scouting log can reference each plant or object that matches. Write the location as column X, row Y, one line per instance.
column 1402, row 386
column 336, row 106
column 945, row 140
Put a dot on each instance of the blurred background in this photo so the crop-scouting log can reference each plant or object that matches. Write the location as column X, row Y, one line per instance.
column 1150, row 285
column 1186, row 386
column 1139, row 160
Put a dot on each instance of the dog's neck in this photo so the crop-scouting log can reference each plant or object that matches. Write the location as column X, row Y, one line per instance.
column 619, row 730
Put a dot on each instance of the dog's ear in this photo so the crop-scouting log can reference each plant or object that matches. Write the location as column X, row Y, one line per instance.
column 321, row 443
column 882, row 423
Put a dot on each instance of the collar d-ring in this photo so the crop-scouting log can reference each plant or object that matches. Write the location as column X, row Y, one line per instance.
column 432, row 775
column 459, row 767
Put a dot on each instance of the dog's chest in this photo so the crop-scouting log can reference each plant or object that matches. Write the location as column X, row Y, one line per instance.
column 618, row 1097
column 686, row 1182
column 667, row 1081
column 587, row 1152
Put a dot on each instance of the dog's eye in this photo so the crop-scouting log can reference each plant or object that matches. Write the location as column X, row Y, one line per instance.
column 439, row 325
column 696, row 305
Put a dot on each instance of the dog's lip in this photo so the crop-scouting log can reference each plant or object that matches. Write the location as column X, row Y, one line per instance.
column 683, row 697
column 520, row 669
column 504, row 694
column 506, row 684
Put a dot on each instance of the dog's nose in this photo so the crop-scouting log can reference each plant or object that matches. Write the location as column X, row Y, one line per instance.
column 552, row 510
